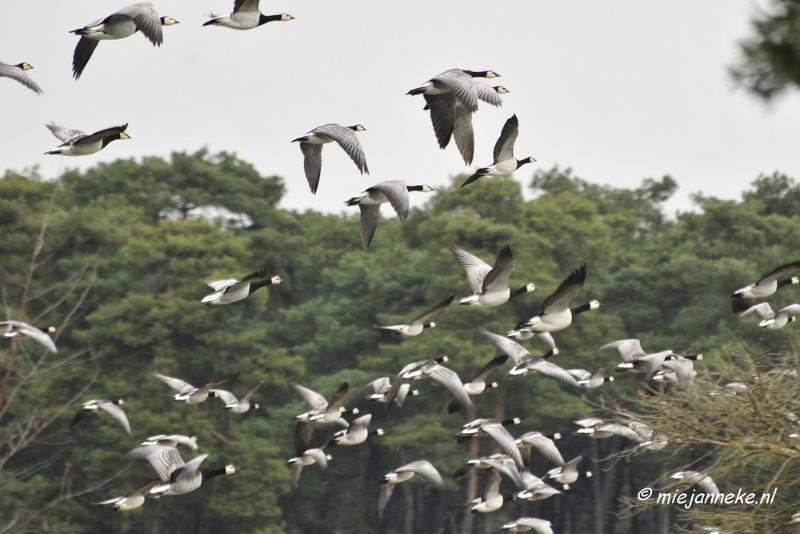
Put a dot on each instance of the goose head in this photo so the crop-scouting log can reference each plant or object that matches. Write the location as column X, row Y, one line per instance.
column 276, row 279
column 168, row 21
column 24, row 66
column 358, row 128
column 285, row 17
column 594, row 304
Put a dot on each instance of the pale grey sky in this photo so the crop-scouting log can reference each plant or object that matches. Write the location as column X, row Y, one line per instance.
column 619, row 91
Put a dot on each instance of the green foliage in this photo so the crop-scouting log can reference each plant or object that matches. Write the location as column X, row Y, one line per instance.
column 144, row 236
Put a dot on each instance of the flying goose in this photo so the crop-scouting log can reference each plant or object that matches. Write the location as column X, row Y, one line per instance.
column 705, row 482
column 124, row 23
column 555, row 313
column 771, row 319
column 767, row 285
column 415, row 327
column 235, row 405
column 188, row 477
column 422, row 468
column 187, row 393
column 567, row 473
column 111, row 407
column 504, row 160
column 311, row 146
column 478, row 385
column 457, row 81
column 527, row 363
column 382, row 386
column 533, row 488
column 132, row 500
column 635, row 359
column 17, row 73
column 20, row 330
column 306, row 456
column 528, row 524
column 423, row 368
column 451, row 119
column 395, row 192
column 544, row 444
column 323, row 411
column 652, row 440
column 489, row 284
column 82, row 144
column 599, row 429
column 486, row 462
column 246, row 16
column 162, row 453
column 592, row 380
column 356, row 433
column 172, row 440
column 491, row 499
column 496, row 430
column 232, row 290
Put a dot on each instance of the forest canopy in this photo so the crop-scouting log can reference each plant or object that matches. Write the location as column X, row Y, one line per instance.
column 115, row 258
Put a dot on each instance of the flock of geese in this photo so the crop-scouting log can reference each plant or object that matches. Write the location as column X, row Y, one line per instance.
column 451, row 98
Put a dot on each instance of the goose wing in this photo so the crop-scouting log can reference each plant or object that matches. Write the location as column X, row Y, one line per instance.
column 791, row 309
column 244, row 6
column 396, row 193
column 383, row 498
column 654, row 362
column 314, row 399
column 339, row 396
column 461, row 85
column 475, row 268
column 568, row 290
column 252, row 390
column 146, row 19
column 504, row 148
column 188, row 471
column 487, row 93
column 494, row 364
column 507, row 443
column 683, row 367
column 491, row 485
column 433, row 312
column 379, row 385
column 302, row 436
column 443, row 116
column 165, row 460
column 424, row 469
column 449, row 379
column 207, row 387
column 82, row 54
column 100, row 134
column 777, row 272
column 544, row 445
column 117, row 413
column 19, row 75
column 319, row 457
column 225, row 396
column 348, row 140
column 175, row 383
column 364, row 421
column 539, row 526
column 554, row 371
column 464, row 134
column 219, row 285
column 370, row 215
column 63, row 134
column 620, row 430
column 629, row 349
column 312, row 163
column 497, row 279
column 508, row 346
column 763, row 309
column 183, row 440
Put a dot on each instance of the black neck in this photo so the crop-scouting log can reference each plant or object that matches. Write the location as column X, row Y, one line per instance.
column 414, row 188
column 786, row 282
column 258, row 285
column 581, row 309
column 507, row 422
column 521, row 162
column 440, row 359
column 213, row 473
column 518, row 292
column 477, row 74
column 268, row 18
column 428, row 325
column 107, row 140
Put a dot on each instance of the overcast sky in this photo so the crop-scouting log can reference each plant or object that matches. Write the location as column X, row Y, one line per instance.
column 619, row 91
